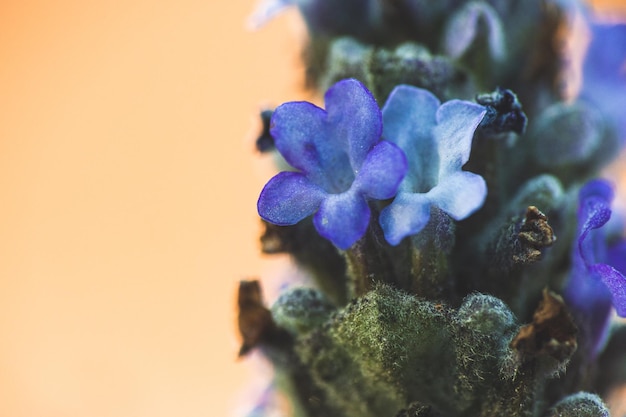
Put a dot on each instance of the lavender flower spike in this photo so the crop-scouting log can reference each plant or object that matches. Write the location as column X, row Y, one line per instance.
column 341, row 163
column 437, row 140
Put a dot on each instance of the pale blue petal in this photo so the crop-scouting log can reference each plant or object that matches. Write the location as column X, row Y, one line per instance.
column 457, row 121
column 342, row 218
column 409, row 119
column 437, row 142
column 381, row 173
column 459, row 194
column 288, row 198
column 355, row 118
column 405, row 216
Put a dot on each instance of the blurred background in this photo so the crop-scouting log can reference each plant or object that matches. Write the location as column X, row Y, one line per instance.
column 128, row 183
column 128, row 186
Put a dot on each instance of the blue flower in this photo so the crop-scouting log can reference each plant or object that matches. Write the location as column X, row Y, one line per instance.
column 437, row 140
column 341, row 163
column 604, row 73
column 594, row 284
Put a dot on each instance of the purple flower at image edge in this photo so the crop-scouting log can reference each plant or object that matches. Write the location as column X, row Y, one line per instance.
column 341, row 163
column 595, row 285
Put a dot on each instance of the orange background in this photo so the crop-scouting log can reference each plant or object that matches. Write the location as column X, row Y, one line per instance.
column 128, row 185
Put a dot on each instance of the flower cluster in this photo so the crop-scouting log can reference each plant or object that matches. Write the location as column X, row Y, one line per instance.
column 342, row 162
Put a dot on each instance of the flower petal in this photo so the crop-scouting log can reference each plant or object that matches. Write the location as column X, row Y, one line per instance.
column 355, row 117
column 383, row 170
column 406, row 215
column 298, row 129
column 615, row 282
column 457, row 121
column 408, row 119
column 342, row 218
column 459, row 194
column 463, row 26
column 288, row 198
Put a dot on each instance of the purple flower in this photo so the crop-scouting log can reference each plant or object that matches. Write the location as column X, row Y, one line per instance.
column 604, row 73
column 594, row 285
column 341, row 163
column 437, row 140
